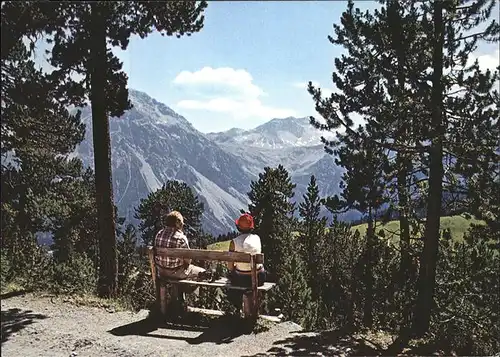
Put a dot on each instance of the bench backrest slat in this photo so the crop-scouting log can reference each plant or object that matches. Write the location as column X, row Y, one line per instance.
column 202, row 254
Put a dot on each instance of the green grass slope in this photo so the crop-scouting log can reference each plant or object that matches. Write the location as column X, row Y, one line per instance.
column 458, row 225
column 223, row 245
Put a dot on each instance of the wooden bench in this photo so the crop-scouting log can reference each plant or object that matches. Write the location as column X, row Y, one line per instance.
column 251, row 301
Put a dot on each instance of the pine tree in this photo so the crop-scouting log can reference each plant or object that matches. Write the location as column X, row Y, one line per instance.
column 363, row 186
column 386, row 43
column 270, row 203
column 463, row 105
column 402, row 22
column 74, row 224
column 75, row 228
column 38, row 133
column 294, row 295
column 80, row 34
column 174, row 195
column 271, row 206
column 385, row 78
column 128, row 259
column 227, row 236
column 339, row 266
column 313, row 228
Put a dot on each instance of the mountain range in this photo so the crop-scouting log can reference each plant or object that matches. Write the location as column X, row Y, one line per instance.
column 151, row 144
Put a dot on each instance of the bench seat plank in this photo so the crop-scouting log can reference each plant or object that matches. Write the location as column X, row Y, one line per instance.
column 203, row 254
column 219, row 283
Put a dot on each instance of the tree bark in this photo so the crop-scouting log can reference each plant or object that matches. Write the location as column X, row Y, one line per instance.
column 368, row 306
column 404, row 224
column 403, row 162
column 108, row 263
column 21, row 244
column 427, row 271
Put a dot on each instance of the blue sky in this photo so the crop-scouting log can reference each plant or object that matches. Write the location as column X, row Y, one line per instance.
column 250, row 63
column 245, row 67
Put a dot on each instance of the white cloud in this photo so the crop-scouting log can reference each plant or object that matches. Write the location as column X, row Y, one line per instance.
column 237, row 80
column 486, row 61
column 226, row 90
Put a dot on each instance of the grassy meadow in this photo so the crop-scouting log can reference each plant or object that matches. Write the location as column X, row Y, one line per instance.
column 458, row 225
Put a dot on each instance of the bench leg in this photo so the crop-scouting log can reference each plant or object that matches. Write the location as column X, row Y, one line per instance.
column 247, row 306
column 250, row 307
column 169, row 299
column 176, row 299
column 163, row 299
column 254, row 295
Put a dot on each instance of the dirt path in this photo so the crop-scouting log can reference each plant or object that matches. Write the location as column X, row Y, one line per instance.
column 38, row 326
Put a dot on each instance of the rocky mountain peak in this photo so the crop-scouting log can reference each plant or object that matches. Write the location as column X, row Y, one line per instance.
column 152, row 144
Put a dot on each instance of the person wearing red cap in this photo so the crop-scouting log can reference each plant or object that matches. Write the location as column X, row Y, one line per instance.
column 240, row 273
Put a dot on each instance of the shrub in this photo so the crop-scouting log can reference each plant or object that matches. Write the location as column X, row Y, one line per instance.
column 136, row 285
column 77, row 275
column 338, row 277
column 4, row 269
column 466, row 317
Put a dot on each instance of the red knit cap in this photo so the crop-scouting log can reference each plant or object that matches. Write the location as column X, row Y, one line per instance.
column 245, row 222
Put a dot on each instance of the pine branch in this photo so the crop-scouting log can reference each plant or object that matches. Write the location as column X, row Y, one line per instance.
column 478, row 35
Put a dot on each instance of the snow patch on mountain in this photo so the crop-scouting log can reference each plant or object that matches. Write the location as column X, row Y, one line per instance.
column 275, row 134
column 127, row 185
column 147, row 172
column 154, row 112
column 222, row 204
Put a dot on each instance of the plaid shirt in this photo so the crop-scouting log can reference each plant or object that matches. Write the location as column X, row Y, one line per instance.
column 170, row 237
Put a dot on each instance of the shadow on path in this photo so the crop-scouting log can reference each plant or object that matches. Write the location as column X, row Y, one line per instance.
column 12, row 294
column 328, row 343
column 14, row 320
column 219, row 331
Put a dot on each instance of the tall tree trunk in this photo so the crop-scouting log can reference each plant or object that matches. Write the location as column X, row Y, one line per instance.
column 351, row 303
column 404, row 223
column 21, row 242
column 312, row 237
column 403, row 163
column 427, row 272
column 108, row 263
column 368, row 307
